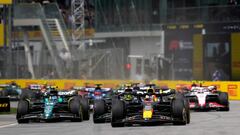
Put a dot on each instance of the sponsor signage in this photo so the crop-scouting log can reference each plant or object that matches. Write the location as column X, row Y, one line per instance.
column 5, row 2
column 4, row 104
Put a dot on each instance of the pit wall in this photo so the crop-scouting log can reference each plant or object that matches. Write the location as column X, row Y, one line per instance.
column 232, row 87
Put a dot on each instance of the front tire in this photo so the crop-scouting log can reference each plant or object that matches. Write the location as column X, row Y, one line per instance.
column 76, row 108
column 23, row 108
column 117, row 113
column 98, row 110
column 186, row 104
column 179, row 111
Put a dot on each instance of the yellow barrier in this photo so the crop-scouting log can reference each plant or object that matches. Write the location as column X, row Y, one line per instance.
column 1, row 35
column 66, row 84
column 6, row 2
column 89, row 32
column 232, row 87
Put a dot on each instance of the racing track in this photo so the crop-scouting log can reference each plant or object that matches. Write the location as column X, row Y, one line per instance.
column 202, row 123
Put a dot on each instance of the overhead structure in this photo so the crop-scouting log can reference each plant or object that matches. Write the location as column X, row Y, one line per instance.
column 77, row 9
column 53, row 30
column 5, row 22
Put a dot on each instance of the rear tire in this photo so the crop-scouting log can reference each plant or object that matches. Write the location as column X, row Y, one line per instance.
column 4, row 93
column 85, row 108
column 26, row 94
column 186, row 104
column 23, row 108
column 118, row 113
column 98, row 110
column 76, row 108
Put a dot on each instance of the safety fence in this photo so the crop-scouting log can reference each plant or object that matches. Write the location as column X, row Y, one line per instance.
column 85, row 64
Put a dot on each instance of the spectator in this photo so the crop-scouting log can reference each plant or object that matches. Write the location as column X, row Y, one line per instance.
column 217, row 75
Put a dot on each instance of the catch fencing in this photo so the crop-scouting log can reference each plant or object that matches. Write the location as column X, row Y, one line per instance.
column 83, row 64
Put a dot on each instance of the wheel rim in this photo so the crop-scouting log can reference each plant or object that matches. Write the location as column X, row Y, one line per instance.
column 184, row 115
column 80, row 113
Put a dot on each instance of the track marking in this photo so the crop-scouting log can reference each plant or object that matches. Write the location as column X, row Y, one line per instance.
column 9, row 125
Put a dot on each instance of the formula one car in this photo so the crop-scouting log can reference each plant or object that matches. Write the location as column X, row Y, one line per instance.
column 97, row 93
column 168, row 106
column 12, row 90
column 102, row 108
column 102, row 105
column 52, row 105
column 207, row 98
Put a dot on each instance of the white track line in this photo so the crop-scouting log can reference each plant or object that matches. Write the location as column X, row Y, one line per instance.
column 9, row 125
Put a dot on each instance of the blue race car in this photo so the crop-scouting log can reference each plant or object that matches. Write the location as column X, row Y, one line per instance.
column 102, row 105
column 98, row 92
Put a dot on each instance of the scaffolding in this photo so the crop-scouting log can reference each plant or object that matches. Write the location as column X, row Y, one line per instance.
column 77, row 9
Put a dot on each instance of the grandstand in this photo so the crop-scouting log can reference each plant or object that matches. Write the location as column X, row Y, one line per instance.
column 120, row 39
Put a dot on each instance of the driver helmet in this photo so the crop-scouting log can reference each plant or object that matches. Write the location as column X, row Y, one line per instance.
column 150, row 91
column 194, row 85
column 211, row 88
column 128, row 97
column 147, row 98
column 13, row 83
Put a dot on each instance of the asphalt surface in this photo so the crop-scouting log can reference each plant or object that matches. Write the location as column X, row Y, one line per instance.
column 202, row 123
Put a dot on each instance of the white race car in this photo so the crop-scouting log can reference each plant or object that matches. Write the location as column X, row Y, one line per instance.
column 207, row 98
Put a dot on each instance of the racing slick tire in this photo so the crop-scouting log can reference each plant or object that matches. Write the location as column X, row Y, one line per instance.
column 114, row 98
column 179, row 111
column 98, row 110
column 118, row 113
column 26, row 94
column 85, row 108
column 4, row 93
column 186, row 104
column 76, row 108
column 23, row 108
column 223, row 100
column 180, row 96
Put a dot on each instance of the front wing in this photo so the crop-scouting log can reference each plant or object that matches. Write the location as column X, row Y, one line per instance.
column 208, row 105
column 55, row 116
column 138, row 119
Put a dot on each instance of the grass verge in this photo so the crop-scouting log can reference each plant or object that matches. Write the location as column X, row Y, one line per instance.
column 12, row 111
